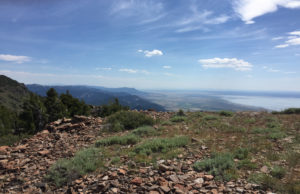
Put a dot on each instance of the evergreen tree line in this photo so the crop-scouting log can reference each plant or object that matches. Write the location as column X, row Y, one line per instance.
column 37, row 111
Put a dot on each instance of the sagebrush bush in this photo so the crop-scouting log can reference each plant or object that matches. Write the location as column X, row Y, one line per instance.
column 278, row 172
column 210, row 117
column 226, row 113
column 178, row 119
column 119, row 140
column 161, row 145
column 241, row 153
column 128, row 120
column 220, row 165
column 67, row 170
column 145, row 131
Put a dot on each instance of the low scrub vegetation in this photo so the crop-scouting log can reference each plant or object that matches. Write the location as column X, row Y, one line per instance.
column 145, row 131
column 66, row 170
column 177, row 119
column 128, row 120
column 220, row 165
column 226, row 113
column 161, row 145
column 119, row 140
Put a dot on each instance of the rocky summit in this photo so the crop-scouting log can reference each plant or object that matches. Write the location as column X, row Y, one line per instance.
column 171, row 168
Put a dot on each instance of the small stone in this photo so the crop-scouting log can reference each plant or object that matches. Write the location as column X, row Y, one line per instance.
column 105, row 178
column 248, row 186
column 208, row 177
column 122, row 171
column 163, row 167
column 174, row 178
column 240, row 190
column 44, row 152
column 137, row 181
column 264, row 169
column 153, row 192
column 165, row 189
column 78, row 181
column 214, row 191
column 199, row 181
column 114, row 190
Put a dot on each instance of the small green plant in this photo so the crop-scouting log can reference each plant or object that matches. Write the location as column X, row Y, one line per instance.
column 226, row 113
column 220, row 165
column 119, row 140
column 66, row 170
column 145, row 131
column 241, row 153
column 180, row 113
column 178, row 119
column 166, row 123
column 128, row 120
column 115, row 160
column 246, row 164
column 278, row 172
column 210, row 118
column 161, row 145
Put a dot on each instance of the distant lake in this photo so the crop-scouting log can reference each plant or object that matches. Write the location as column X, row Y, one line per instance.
column 268, row 102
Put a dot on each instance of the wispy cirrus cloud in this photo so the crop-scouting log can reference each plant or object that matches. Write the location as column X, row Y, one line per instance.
column 292, row 39
column 199, row 19
column 152, row 53
column 14, row 58
column 167, row 67
column 248, row 10
column 147, row 11
column 134, row 71
column 233, row 63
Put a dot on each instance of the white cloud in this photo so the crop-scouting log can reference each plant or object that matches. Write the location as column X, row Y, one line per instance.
column 198, row 19
column 290, row 72
column 135, row 71
column 104, row 68
column 273, row 70
column 233, row 63
column 291, row 40
column 129, row 70
column 247, row 10
column 296, row 33
column 14, row 58
column 152, row 53
column 167, row 67
column 278, row 38
column 281, row 46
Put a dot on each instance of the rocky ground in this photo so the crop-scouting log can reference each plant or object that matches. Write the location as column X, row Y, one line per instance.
column 24, row 166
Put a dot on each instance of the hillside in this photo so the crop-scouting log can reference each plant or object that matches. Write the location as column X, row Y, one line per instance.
column 101, row 95
column 200, row 152
column 12, row 93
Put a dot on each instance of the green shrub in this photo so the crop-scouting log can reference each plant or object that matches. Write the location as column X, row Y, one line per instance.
column 67, row 170
column 166, row 123
column 145, row 131
column 180, row 113
column 109, row 109
column 161, row 145
column 291, row 111
column 127, row 120
column 210, row 117
column 271, row 133
column 265, row 181
column 178, row 119
column 246, row 164
column 119, row 140
column 277, row 135
column 278, row 172
column 226, row 113
column 220, row 165
column 241, row 153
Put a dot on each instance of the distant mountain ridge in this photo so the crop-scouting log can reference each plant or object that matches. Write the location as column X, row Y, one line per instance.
column 95, row 95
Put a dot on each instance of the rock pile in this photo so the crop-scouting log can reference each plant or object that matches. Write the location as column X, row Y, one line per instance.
column 23, row 166
column 171, row 176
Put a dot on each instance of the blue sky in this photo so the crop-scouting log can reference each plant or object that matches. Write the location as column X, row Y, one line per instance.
column 153, row 44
